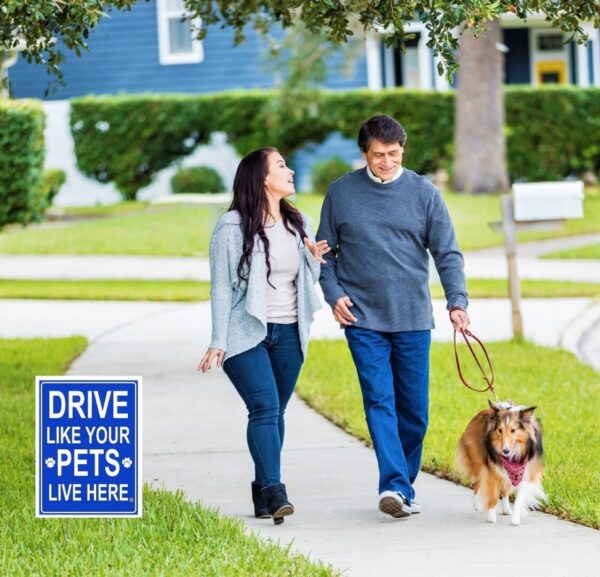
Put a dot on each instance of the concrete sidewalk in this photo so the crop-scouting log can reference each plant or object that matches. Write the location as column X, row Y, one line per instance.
column 194, row 440
column 545, row 320
column 486, row 263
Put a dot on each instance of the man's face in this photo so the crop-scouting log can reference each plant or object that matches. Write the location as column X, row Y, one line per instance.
column 384, row 160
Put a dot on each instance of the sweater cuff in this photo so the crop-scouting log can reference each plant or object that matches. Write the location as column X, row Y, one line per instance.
column 457, row 302
column 332, row 297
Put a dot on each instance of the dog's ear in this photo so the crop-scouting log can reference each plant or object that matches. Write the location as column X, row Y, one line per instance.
column 526, row 413
column 494, row 406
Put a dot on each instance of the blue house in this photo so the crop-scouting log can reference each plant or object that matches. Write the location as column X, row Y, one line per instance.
column 151, row 49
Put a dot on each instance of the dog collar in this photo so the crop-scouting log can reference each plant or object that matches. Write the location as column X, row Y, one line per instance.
column 514, row 469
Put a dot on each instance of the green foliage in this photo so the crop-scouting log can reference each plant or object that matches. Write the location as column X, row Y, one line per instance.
column 21, row 161
column 202, row 179
column 552, row 133
column 443, row 18
column 35, row 25
column 40, row 29
column 326, row 171
column 128, row 139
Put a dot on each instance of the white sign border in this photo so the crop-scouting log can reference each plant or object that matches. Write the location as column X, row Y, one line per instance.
column 138, row 447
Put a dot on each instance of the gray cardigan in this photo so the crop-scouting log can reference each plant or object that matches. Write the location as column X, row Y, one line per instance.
column 239, row 308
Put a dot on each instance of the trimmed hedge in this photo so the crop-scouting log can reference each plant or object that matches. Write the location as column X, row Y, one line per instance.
column 21, row 160
column 199, row 179
column 129, row 139
column 551, row 132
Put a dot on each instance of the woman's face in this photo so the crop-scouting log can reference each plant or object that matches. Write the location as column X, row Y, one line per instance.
column 280, row 179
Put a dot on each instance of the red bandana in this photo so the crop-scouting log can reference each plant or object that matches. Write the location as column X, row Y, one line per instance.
column 514, row 469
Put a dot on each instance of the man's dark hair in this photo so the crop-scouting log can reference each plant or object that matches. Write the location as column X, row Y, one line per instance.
column 383, row 128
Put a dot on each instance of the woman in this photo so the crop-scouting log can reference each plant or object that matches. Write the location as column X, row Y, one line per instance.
column 263, row 270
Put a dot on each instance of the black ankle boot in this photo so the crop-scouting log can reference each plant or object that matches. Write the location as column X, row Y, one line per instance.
column 277, row 502
column 261, row 510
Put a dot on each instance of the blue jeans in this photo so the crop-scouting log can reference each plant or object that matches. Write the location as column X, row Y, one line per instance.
column 393, row 370
column 265, row 377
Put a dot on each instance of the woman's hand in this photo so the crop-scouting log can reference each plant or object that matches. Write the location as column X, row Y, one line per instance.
column 209, row 357
column 317, row 249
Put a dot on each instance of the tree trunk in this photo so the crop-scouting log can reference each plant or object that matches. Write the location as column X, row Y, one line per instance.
column 480, row 157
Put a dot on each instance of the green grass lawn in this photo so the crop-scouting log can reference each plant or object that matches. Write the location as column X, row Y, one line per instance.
column 174, row 537
column 191, row 291
column 565, row 391
column 497, row 288
column 586, row 252
column 185, row 230
column 153, row 230
column 128, row 290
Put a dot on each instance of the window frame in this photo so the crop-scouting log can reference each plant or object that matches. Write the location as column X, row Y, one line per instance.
column 165, row 56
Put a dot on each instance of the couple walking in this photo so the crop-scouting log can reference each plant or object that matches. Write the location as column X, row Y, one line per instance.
column 371, row 258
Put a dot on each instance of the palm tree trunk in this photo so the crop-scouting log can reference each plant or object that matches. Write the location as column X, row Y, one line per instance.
column 480, row 157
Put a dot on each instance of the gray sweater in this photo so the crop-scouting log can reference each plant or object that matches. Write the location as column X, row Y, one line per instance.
column 380, row 235
column 239, row 308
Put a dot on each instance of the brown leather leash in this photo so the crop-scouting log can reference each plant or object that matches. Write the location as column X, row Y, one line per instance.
column 489, row 380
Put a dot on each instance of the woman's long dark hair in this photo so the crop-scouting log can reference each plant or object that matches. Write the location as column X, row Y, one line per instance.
column 250, row 200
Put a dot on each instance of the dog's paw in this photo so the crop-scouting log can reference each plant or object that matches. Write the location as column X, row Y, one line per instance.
column 491, row 516
column 506, row 509
column 477, row 503
column 515, row 520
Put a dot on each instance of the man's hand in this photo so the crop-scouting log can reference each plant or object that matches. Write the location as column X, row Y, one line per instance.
column 341, row 311
column 460, row 319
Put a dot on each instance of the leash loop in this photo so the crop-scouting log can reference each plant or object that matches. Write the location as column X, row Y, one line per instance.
column 489, row 380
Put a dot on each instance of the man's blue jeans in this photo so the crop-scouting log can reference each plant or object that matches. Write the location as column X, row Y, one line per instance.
column 393, row 370
column 265, row 377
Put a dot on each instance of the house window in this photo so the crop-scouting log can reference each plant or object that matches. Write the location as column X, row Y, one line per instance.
column 550, row 42
column 176, row 41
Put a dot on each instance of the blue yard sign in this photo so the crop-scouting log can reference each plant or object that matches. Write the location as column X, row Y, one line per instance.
column 88, row 447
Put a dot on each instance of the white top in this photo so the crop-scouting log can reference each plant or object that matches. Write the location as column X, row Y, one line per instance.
column 282, row 301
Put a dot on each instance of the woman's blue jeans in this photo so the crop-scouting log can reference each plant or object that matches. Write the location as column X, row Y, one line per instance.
column 393, row 370
column 265, row 377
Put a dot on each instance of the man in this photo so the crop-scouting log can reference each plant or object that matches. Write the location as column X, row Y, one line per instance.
column 380, row 221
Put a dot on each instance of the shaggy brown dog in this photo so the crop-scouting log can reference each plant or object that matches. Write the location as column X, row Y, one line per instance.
column 500, row 450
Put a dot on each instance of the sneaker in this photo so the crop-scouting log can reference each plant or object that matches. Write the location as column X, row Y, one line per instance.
column 415, row 508
column 394, row 503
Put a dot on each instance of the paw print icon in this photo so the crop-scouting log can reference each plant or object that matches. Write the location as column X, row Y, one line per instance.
column 127, row 462
column 50, row 462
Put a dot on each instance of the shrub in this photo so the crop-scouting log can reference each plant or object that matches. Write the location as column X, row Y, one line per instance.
column 21, row 160
column 202, row 179
column 326, row 171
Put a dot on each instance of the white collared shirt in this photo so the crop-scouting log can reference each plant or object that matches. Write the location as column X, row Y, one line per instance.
column 377, row 179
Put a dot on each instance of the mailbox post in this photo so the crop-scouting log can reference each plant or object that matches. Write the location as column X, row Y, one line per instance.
column 534, row 206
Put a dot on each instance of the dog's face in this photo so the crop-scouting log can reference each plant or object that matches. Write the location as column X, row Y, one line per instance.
column 510, row 430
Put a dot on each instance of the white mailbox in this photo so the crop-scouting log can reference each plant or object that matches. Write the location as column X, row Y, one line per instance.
column 535, row 201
